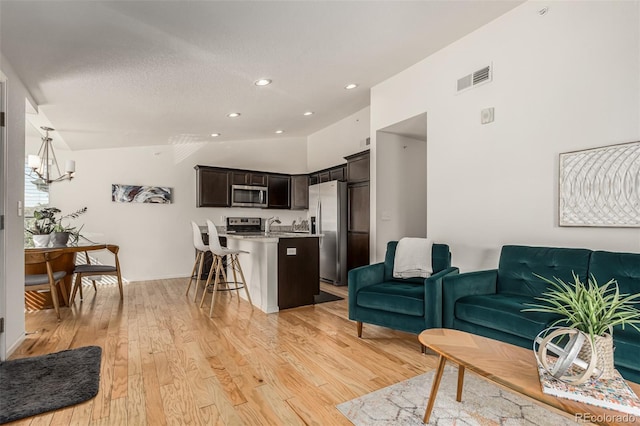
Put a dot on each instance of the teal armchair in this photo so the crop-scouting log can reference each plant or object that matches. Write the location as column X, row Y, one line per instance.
column 411, row 305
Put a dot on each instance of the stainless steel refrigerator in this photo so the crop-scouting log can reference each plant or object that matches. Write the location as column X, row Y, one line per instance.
column 328, row 217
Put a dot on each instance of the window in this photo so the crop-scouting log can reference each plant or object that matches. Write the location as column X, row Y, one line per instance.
column 35, row 195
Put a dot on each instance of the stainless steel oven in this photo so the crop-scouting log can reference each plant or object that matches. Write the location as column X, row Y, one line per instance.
column 248, row 196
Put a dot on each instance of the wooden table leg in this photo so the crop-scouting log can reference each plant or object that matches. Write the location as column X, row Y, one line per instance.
column 460, row 383
column 434, row 388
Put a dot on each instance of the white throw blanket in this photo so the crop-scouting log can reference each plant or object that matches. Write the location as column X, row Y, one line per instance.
column 413, row 258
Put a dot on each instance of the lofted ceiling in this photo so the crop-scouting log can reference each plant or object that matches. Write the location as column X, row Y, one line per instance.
column 132, row 73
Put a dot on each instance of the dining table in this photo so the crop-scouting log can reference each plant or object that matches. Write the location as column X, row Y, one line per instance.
column 36, row 300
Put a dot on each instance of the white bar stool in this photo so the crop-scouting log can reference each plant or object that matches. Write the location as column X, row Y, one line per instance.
column 201, row 249
column 217, row 267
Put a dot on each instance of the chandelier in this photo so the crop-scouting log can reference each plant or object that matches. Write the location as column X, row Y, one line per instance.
column 45, row 162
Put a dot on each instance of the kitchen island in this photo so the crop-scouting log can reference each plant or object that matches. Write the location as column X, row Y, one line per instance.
column 282, row 269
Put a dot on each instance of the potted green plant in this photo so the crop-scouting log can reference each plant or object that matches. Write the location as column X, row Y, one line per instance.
column 593, row 309
column 63, row 233
column 42, row 225
column 47, row 227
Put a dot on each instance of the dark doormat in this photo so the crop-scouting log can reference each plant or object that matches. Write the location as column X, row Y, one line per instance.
column 325, row 297
column 35, row 385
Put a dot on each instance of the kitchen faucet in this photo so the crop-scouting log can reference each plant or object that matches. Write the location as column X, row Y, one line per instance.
column 269, row 222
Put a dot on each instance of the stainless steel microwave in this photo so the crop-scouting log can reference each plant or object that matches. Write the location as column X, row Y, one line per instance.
column 248, row 196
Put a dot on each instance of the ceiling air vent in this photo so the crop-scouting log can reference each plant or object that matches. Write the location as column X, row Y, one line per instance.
column 481, row 76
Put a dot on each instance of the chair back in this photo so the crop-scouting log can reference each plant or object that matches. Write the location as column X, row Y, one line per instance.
column 197, row 238
column 440, row 260
column 115, row 249
column 214, row 239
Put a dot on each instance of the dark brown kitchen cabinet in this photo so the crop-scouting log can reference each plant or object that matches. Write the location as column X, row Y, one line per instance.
column 338, row 173
column 326, row 175
column 358, row 211
column 298, row 271
column 259, row 179
column 248, row 178
column 358, row 167
column 358, row 200
column 213, row 187
column 299, row 192
column 357, row 249
column 279, row 194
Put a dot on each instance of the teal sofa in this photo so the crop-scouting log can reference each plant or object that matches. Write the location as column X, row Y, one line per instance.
column 411, row 304
column 490, row 303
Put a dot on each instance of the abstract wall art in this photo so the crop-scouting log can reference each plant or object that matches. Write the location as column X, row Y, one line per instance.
column 140, row 194
column 600, row 186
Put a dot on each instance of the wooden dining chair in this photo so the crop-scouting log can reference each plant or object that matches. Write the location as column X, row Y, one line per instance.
column 48, row 281
column 93, row 270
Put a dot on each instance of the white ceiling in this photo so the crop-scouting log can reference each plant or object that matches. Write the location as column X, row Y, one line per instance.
column 125, row 73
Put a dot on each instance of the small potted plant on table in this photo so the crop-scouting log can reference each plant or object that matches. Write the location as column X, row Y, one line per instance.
column 42, row 226
column 48, row 228
column 61, row 233
column 593, row 309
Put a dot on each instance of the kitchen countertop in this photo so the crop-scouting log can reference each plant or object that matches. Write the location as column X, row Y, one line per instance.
column 271, row 237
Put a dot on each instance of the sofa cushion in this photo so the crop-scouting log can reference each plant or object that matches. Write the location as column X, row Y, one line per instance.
column 503, row 312
column 627, row 346
column 518, row 264
column 399, row 296
column 624, row 267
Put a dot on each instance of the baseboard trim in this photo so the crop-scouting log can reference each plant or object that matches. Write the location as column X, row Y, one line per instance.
column 15, row 345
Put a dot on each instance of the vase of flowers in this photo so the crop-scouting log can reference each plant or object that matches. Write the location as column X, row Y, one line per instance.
column 593, row 309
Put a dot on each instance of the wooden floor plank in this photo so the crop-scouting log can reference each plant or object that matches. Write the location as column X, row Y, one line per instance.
column 165, row 361
column 136, row 413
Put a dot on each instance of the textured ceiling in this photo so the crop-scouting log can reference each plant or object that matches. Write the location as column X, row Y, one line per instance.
column 125, row 73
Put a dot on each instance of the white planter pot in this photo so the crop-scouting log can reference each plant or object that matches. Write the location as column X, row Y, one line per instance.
column 41, row 240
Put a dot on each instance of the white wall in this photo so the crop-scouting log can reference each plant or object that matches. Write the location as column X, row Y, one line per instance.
column 564, row 81
column 329, row 146
column 14, row 234
column 403, row 211
column 155, row 240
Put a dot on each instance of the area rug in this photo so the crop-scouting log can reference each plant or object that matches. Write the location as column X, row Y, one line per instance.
column 325, row 297
column 35, row 385
column 483, row 403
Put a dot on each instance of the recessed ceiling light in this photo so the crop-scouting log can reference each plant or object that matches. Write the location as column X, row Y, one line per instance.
column 279, row 131
column 308, row 113
column 262, row 82
column 350, row 86
column 233, row 114
column 215, row 135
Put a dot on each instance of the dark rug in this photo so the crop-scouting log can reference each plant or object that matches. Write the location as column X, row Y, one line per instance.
column 325, row 297
column 35, row 385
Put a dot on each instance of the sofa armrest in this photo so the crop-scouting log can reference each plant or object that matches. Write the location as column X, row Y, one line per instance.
column 362, row 277
column 455, row 287
column 433, row 297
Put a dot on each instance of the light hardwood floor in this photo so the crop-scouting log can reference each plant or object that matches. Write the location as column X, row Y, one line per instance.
column 165, row 361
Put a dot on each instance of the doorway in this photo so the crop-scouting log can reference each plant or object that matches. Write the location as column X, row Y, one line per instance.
column 401, row 189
